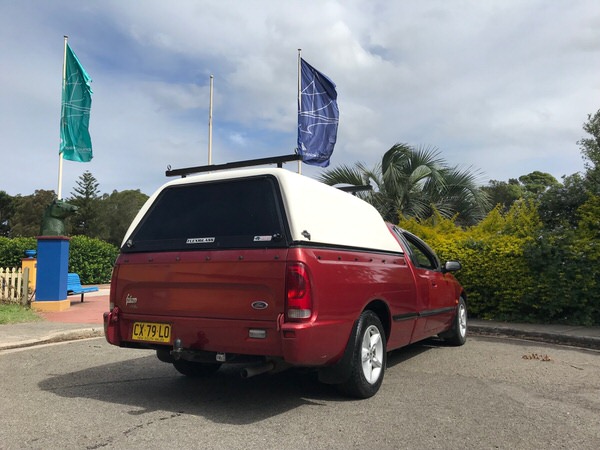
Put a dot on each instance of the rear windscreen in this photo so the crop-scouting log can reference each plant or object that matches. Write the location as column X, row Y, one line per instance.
column 243, row 213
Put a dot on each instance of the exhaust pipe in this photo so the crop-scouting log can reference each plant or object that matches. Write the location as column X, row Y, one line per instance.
column 257, row 370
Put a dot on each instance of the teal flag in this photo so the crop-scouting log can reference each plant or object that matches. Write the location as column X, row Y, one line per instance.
column 75, row 141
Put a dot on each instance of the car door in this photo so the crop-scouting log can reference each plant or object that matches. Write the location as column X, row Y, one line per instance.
column 435, row 289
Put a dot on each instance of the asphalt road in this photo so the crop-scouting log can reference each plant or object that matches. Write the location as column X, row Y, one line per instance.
column 488, row 394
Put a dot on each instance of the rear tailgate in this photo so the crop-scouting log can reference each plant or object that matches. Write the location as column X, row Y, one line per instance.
column 247, row 285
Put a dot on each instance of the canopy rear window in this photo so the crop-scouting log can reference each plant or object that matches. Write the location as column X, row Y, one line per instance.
column 244, row 213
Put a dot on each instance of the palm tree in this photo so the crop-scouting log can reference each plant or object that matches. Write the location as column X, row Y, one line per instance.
column 415, row 182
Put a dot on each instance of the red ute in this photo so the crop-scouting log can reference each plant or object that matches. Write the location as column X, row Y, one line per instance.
column 272, row 269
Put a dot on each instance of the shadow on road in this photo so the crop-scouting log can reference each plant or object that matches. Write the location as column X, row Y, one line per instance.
column 411, row 351
column 146, row 385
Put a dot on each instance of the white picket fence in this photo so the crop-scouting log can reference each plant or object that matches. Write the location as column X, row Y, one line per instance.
column 12, row 284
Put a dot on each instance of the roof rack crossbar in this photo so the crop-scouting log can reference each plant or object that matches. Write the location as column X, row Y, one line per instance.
column 354, row 189
column 279, row 160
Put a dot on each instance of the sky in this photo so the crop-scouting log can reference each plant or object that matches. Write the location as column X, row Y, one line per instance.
column 502, row 88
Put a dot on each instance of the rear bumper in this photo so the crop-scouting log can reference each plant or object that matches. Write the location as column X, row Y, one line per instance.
column 316, row 343
column 310, row 344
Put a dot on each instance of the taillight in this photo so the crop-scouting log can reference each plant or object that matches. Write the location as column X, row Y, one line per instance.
column 111, row 326
column 114, row 315
column 299, row 293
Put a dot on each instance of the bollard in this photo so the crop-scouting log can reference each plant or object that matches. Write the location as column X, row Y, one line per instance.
column 25, row 294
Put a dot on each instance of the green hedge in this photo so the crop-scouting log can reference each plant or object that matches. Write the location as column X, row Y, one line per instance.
column 13, row 250
column 514, row 270
column 494, row 273
column 92, row 259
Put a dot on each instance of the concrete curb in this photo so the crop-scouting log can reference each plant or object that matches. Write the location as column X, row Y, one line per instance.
column 588, row 342
column 573, row 337
column 57, row 336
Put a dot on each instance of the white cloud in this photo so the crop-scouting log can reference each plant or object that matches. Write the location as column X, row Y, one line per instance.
column 500, row 86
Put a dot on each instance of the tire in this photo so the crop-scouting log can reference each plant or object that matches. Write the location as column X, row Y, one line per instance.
column 195, row 369
column 369, row 358
column 457, row 335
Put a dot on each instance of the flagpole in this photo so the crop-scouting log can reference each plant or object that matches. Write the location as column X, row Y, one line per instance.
column 299, row 98
column 60, row 158
column 210, row 107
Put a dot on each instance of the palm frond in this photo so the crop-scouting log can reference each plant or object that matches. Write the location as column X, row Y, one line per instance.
column 416, row 182
column 343, row 175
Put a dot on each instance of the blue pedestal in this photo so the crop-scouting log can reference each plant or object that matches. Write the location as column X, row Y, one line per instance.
column 52, row 268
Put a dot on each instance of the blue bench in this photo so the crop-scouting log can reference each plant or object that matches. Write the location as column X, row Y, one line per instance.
column 74, row 286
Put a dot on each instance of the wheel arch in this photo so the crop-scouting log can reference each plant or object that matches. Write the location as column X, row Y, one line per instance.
column 380, row 308
column 339, row 372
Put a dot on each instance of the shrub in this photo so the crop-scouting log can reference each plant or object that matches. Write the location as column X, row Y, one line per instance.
column 92, row 259
column 515, row 270
column 565, row 262
column 13, row 250
column 494, row 274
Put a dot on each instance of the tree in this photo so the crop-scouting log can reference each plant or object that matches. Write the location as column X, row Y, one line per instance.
column 29, row 211
column 414, row 183
column 504, row 193
column 7, row 209
column 588, row 226
column 538, row 182
column 590, row 150
column 85, row 197
column 558, row 205
column 118, row 211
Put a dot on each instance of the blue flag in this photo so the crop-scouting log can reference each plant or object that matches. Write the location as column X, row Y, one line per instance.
column 75, row 141
column 318, row 116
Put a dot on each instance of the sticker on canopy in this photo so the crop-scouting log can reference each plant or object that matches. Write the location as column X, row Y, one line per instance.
column 263, row 238
column 203, row 240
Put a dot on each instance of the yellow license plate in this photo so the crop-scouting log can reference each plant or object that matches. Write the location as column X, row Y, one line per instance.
column 152, row 332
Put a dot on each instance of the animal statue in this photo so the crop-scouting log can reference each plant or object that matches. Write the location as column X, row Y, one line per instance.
column 53, row 223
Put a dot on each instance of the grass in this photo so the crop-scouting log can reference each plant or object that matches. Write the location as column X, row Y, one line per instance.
column 10, row 313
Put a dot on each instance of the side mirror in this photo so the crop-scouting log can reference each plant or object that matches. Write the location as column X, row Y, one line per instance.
column 451, row 266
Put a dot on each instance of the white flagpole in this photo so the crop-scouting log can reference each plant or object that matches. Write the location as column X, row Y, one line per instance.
column 299, row 97
column 210, row 106
column 60, row 156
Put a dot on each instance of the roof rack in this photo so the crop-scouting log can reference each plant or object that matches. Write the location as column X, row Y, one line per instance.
column 279, row 160
column 355, row 189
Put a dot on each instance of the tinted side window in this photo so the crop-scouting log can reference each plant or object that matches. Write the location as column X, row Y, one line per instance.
column 243, row 213
column 420, row 254
column 421, row 258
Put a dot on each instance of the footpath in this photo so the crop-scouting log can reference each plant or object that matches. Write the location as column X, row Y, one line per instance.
column 84, row 320
column 80, row 321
